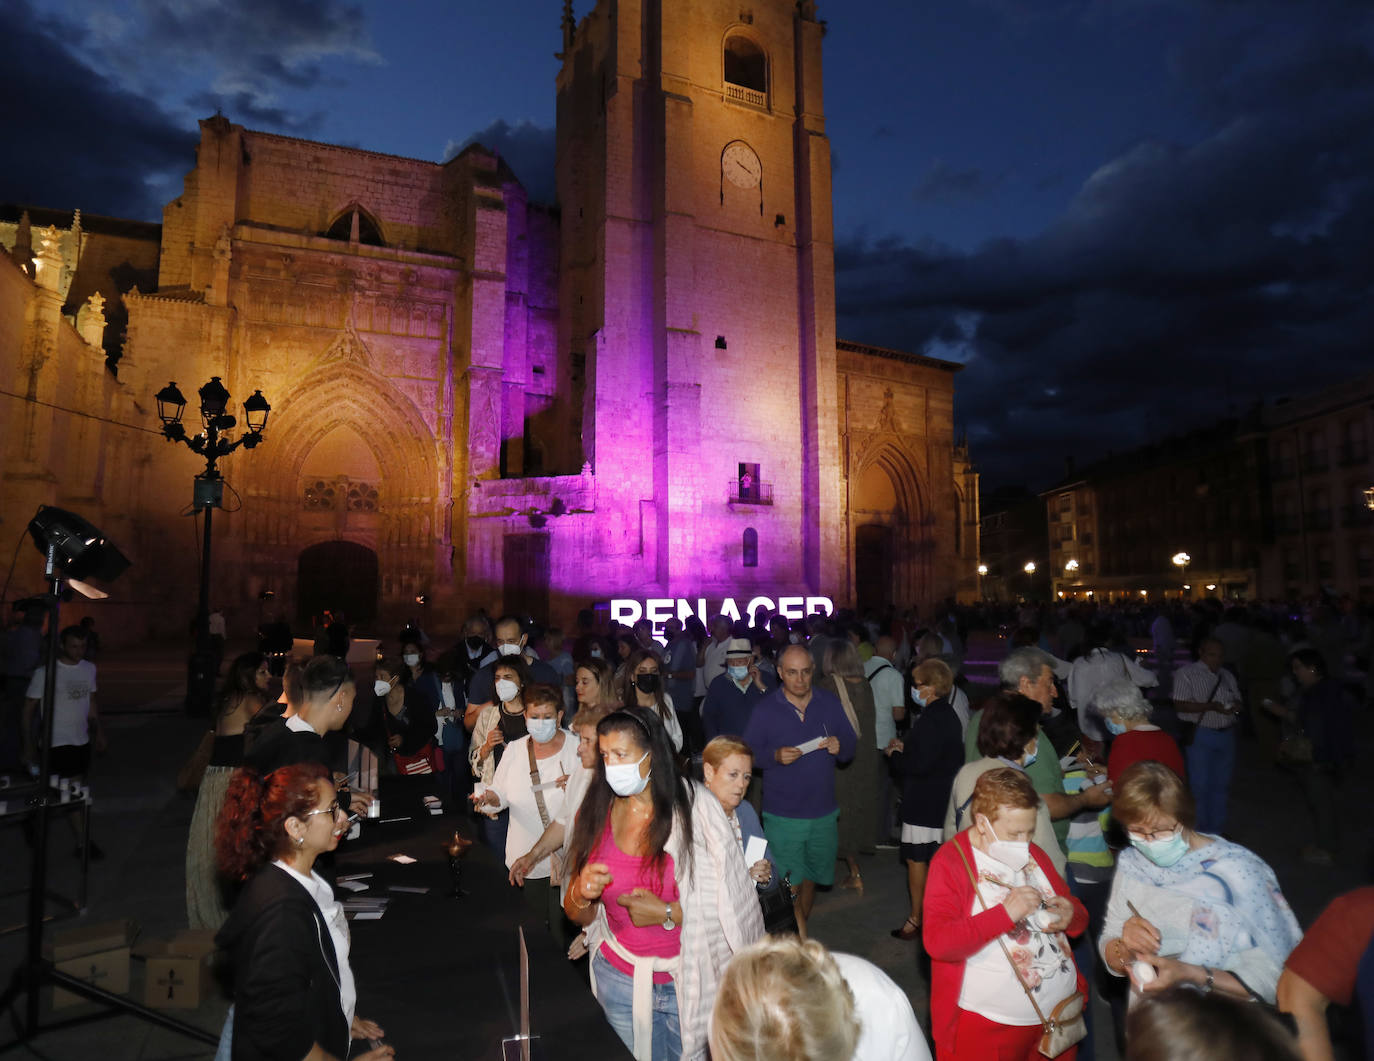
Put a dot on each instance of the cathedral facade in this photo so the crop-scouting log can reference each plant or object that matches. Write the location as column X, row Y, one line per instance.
column 480, row 401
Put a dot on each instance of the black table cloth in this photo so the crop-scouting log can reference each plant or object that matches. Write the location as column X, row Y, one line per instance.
column 442, row 975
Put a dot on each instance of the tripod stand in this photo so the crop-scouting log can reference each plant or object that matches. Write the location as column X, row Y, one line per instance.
column 37, row 971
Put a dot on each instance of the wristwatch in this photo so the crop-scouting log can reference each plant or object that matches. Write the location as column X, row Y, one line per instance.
column 668, row 923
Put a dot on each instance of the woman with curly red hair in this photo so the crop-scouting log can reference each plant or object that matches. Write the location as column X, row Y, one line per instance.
column 286, row 938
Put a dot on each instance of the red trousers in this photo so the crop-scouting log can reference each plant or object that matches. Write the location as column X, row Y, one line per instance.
column 979, row 1039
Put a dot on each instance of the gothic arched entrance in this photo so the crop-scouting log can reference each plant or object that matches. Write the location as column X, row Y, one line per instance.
column 339, row 576
column 873, row 565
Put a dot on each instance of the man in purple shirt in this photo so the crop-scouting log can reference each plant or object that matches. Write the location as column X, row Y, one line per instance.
column 797, row 735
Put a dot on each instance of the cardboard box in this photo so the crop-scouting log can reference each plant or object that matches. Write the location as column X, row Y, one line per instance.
column 97, row 952
column 177, row 971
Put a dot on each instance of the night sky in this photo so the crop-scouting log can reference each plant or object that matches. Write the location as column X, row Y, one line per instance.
column 1127, row 217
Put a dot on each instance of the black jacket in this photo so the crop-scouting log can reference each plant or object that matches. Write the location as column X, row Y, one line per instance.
column 271, row 744
column 284, row 971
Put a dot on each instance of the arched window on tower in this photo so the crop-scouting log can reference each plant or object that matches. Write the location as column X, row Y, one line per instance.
column 751, row 547
column 746, row 71
column 356, row 225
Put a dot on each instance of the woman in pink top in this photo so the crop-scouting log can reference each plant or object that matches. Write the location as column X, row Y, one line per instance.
column 658, row 878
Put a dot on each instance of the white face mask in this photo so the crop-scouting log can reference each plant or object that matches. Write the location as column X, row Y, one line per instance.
column 541, row 730
column 506, row 689
column 506, row 649
column 411, row 658
column 380, row 687
column 1014, row 854
column 624, row 778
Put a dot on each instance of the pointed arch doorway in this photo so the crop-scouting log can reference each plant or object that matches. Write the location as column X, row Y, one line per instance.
column 339, row 576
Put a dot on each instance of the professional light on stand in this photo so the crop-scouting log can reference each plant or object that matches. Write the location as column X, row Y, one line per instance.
column 212, row 444
column 74, row 551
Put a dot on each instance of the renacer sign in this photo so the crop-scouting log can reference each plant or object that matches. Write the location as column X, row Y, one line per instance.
column 658, row 610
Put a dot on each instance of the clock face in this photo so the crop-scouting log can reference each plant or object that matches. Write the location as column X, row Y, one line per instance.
column 741, row 166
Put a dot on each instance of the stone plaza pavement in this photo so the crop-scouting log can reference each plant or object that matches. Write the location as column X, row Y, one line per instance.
column 141, row 822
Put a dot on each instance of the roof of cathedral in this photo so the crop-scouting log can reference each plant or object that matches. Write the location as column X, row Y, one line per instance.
column 898, row 355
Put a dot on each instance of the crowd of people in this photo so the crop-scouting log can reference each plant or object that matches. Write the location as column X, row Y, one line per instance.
column 674, row 804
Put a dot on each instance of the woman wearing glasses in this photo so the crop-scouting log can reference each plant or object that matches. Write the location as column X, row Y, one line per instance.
column 286, row 939
column 1187, row 907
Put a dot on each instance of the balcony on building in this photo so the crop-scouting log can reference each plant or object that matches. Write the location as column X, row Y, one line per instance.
column 749, row 492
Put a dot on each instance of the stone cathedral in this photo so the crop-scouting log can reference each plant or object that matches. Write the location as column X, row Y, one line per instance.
column 480, row 401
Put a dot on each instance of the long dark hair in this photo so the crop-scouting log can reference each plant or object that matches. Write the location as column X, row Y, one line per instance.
column 671, row 793
column 637, row 657
column 241, row 681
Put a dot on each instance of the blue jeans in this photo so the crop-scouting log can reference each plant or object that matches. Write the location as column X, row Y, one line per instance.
column 1211, row 761
column 615, row 992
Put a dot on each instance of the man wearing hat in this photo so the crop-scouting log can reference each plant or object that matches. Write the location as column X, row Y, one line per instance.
column 730, row 699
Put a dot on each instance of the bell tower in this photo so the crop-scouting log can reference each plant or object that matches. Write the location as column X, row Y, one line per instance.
column 697, row 291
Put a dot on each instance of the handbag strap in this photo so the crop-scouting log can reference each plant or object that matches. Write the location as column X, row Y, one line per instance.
column 840, row 682
column 534, row 784
column 1001, row 942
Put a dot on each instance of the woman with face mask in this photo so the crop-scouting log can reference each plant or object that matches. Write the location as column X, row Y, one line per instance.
column 500, row 723
column 924, row 763
column 995, row 914
column 548, row 754
column 1125, row 715
column 1006, row 737
column 1187, row 907
column 644, row 688
column 407, row 719
column 657, row 877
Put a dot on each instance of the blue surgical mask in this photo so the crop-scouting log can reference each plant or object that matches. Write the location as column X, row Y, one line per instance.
column 1113, row 727
column 1030, row 756
column 624, row 778
column 738, row 673
column 1163, row 853
column 542, row 730
column 916, row 695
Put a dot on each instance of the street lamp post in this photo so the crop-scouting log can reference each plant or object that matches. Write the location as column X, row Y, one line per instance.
column 1181, row 560
column 212, row 444
column 982, row 573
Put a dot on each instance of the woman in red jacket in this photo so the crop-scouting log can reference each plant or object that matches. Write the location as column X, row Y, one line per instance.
column 994, row 949
column 1126, row 713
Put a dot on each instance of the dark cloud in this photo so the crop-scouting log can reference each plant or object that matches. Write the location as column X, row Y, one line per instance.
column 249, row 54
column 1182, row 282
column 527, row 148
column 249, row 110
column 942, row 183
column 78, row 139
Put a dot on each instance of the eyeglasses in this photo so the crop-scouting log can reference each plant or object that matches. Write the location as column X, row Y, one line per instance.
column 1153, row 835
column 334, row 810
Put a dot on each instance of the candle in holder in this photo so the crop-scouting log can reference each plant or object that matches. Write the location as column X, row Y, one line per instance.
column 455, row 849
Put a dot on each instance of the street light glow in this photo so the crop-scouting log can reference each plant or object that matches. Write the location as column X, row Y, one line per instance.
column 982, row 569
column 1182, row 559
column 1072, row 565
column 1029, row 568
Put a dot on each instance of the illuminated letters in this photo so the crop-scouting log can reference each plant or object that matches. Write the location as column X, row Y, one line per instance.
column 659, row 610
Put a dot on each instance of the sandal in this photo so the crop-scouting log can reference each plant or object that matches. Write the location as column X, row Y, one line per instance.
column 910, row 930
column 854, row 882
